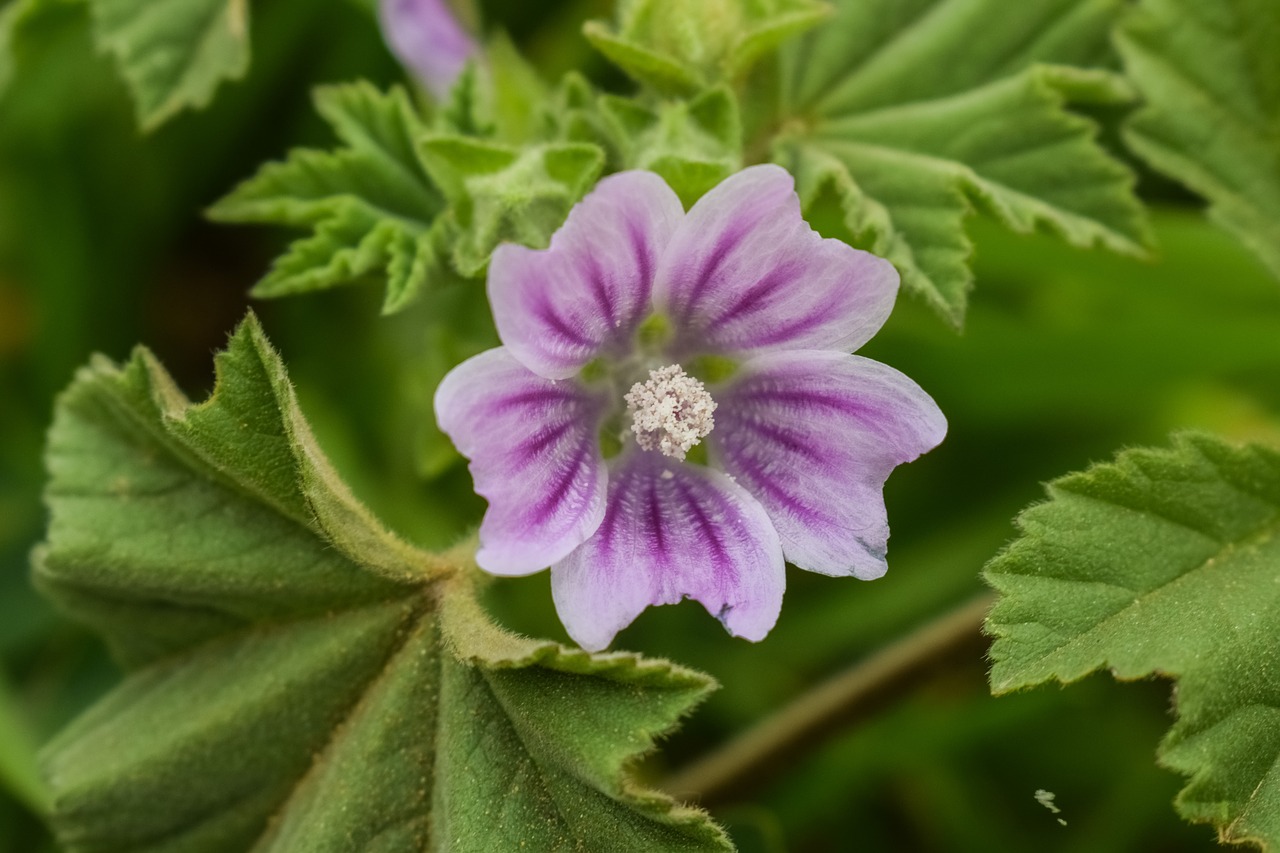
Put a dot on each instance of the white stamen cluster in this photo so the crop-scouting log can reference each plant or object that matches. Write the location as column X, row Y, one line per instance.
column 670, row 412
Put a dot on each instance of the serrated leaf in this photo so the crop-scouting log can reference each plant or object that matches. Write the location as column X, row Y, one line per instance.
column 173, row 55
column 300, row 679
column 372, row 206
column 1164, row 562
column 681, row 48
column 500, row 193
column 693, row 144
column 913, row 114
column 1209, row 74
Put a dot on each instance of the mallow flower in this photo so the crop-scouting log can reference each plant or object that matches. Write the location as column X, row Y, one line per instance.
column 675, row 412
column 426, row 36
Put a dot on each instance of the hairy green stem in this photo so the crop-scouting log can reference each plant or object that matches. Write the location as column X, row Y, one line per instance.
column 772, row 745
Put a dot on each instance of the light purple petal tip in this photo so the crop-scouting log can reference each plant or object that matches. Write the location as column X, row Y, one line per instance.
column 813, row 436
column 744, row 272
column 427, row 38
column 535, row 456
column 558, row 308
column 671, row 531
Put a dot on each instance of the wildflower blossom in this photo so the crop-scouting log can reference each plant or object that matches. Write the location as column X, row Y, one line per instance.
column 675, row 409
column 427, row 37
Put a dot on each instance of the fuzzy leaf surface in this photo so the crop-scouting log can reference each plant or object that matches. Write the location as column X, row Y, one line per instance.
column 679, row 48
column 692, row 144
column 372, row 207
column 173, row 55
column 299, row 679
column 1211, row 80
column 1164, row 562
column 500, row 193
column 905, row 117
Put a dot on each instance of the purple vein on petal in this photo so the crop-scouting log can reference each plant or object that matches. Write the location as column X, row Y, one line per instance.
column 671, row 531
column 754, row 297
column 533, row 446
column 813, row 435
column 745, row 273
column 559, row 308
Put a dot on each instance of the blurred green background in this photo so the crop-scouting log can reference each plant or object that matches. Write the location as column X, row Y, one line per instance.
column 1067, row 357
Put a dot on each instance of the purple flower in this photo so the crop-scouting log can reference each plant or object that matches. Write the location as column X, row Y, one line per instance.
column 427, row 38
column 675, row 410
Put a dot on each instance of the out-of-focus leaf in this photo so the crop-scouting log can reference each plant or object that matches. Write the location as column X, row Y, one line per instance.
column 19, row 771
column 8, row 22
column 299, row 678
column 1209, row 73
column 372, row 206
column 679, row 48
column 909, row 115
column 173, row 55
column 501, row 193
column 1163, row 562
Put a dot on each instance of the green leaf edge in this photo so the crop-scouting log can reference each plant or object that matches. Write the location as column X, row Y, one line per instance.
column 374, row 254
column 449, row 579
column 1223, row 201
column 872, row 227
column 150, row 120
column 1183, row 443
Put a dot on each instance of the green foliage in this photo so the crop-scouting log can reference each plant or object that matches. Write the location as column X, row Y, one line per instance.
column 300, row 678
column 905, row 116
column 19, row 772
column 1163, row 562
column 407, row 203
column 1208, row 72
column 500, row 193
column 173, row 55
column 371, row 204
column 680, row 48
column 693, row 145
column 9, row 18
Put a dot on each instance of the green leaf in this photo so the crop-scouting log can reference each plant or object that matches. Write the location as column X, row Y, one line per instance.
column 173, row 55
column 573, row 114
column 19, row 773
column 1164, row 562
column 9, row 17
column 906, row 116
column 372, row 206
column 680, row 48
column 500, row 193
column 1209, row 74
column 693, row 145
column 299, row 678
column 13, row 17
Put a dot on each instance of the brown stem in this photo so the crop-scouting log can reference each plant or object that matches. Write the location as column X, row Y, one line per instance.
column 772, row 745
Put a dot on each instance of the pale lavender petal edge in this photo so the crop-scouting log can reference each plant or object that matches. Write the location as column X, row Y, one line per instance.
column 671, row 531
column 745, row 273
column 426, row 37
column 534, row 452
column 813, row 435
column 558, row 308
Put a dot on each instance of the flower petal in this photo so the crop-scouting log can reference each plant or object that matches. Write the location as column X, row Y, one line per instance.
column 744, row 272
column 427, row 38
column 535, row 456
column 813, row 435
column 558, row 308
column 671, row 531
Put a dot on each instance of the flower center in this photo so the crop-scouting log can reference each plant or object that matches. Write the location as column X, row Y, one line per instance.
column 670, row 412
